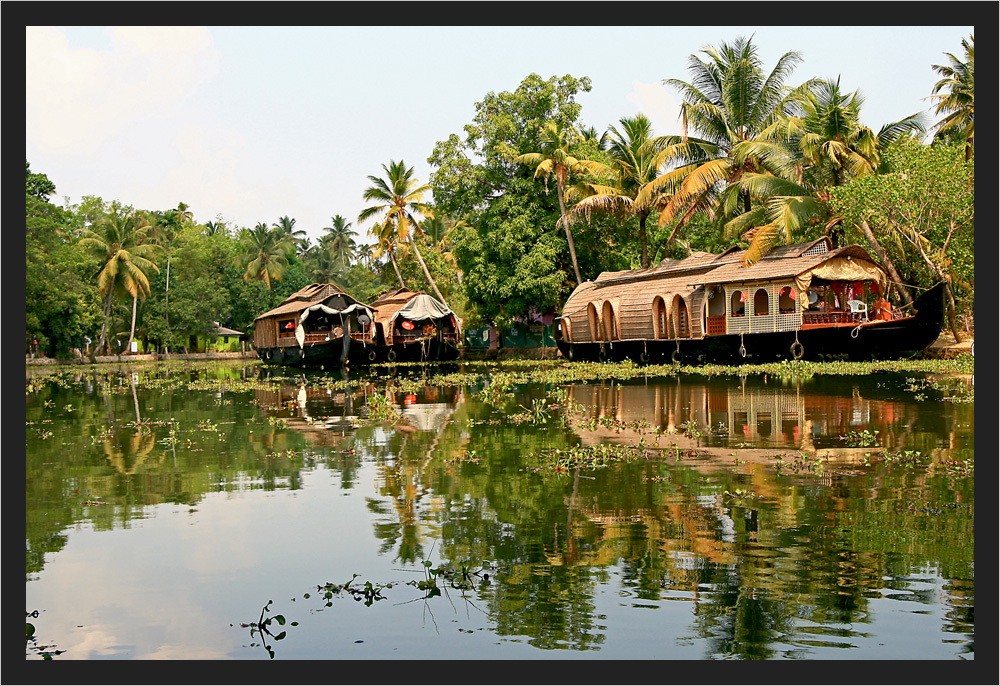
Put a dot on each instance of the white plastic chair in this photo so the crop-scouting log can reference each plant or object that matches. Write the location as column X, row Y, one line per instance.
column 858, row 308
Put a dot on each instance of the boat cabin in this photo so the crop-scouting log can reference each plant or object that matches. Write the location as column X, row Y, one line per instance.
column 314, row 314
column 790, row 288
column 405, row 316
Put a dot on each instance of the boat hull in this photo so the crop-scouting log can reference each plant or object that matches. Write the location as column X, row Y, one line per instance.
column 427, row 350
column 328, row 354
column 876, row 340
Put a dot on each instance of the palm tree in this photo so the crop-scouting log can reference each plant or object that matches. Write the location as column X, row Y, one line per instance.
column 957, row 102
column 166, row 226
column 803, row 155
column 342, row 243
column 297, row 239
column 265, row 253
column 322, row 257
column 398, row 197
column 385, row 244
column 366, row 253
column 117, row 239
column 633, row 151
column 728, row 101
column 555, row 142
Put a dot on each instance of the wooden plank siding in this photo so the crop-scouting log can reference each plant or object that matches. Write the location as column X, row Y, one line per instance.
column 672, row 300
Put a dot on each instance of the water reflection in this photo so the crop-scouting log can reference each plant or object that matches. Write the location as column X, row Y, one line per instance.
column 705, row 547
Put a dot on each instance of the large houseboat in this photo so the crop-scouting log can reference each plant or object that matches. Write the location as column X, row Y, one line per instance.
column 317, row 326
column 805, row 301
column 413, row 326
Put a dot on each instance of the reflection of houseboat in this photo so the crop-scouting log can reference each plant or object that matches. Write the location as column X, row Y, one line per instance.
column 799, row 301
column 319, row 325
column 413, row 326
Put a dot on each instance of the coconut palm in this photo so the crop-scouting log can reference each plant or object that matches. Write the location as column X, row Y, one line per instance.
column 633, row 150
column 800, row 157
column 554, row 157
column 341, row 242
column 298, row 240
column 954, row 94
column 728, row 101
column 166, row 226
column 399, row 197
column 323, row 259
column 265, row 253
column 118, row 239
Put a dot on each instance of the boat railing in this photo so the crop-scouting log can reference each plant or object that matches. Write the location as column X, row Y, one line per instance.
column 834, row 317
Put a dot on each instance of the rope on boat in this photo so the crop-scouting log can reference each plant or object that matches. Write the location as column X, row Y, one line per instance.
column 855, row 330
column 743, row 348
column 798, row 350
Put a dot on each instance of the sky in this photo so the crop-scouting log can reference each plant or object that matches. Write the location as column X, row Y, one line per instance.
column 249, row 124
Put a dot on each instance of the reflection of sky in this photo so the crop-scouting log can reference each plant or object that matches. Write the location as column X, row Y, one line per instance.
column 171, row 584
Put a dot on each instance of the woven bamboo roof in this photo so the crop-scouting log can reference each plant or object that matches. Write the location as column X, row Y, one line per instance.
column 388, row 304
column 304, row 297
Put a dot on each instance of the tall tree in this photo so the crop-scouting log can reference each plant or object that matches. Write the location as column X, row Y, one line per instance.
column 297, row 240
column 265, row 254
column 341, row 242
column 555, row 158
column 165, row 227
column 118, row 240
column 955, row 96
column 729, row 100
column 399, row 199
column 633, row 151
column 800, row 157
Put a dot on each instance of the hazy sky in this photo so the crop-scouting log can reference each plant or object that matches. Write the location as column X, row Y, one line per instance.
column 253, row 123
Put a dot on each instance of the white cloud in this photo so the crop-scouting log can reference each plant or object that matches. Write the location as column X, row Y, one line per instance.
column 653, row 100
column 78, row 100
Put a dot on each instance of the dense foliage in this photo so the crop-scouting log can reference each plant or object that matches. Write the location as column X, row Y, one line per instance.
column 528, row 201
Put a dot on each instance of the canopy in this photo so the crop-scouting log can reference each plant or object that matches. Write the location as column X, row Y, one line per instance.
column 421, row 307
column 300, row 332
column 841, row 269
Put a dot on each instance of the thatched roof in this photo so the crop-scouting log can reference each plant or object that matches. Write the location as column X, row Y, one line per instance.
column 706, row 268
column 304, row 297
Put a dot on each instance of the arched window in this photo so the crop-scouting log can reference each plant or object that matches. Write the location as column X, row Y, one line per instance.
column 610, row 331
column 760, row 302
column 786, row 300
column 659, row 318
column 737, row 304
column 679, row 316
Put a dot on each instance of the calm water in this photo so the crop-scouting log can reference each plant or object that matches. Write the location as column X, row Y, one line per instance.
column 170, row 511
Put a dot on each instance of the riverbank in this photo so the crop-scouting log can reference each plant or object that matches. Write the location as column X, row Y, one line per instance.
column 945, row 348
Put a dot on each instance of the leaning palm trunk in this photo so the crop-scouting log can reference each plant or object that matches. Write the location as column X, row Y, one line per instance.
column 897, row 283
column 392, row 258
column 569, row 234
column 427, row 273
column 131, row 333
column 107, row 319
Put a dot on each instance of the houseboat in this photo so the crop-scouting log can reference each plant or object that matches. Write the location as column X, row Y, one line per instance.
column 806, row 301
column 317, row 326
column 412, row 326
